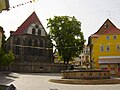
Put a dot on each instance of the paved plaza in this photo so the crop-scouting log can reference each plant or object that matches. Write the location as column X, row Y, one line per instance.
column 40, row 81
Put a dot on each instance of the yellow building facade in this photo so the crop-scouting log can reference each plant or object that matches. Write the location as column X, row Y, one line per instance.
column 105, row 48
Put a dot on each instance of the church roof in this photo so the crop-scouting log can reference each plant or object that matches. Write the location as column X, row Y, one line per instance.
column 31, row 19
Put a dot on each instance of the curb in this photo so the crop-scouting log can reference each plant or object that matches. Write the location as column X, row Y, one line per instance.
column 86, row 82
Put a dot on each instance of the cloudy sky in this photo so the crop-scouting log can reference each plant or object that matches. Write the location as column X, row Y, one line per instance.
column 91, row 13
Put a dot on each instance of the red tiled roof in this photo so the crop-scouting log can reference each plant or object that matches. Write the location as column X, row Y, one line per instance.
column 102, row 29
column 31, row 19
column 112, row 30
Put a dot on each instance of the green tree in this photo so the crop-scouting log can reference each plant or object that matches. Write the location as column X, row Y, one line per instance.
column 3, row 41
column 2, row 53
column 6, row 58
column 66, row 32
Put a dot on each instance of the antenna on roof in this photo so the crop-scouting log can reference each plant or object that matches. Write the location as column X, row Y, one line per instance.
column 35, row 4
column 109, row 15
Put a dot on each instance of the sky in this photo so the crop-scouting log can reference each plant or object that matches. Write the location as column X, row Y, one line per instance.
column 91, row 13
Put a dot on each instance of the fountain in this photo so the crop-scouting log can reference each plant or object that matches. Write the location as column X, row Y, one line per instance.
column 89, row 73
column 85, row 74
column 89, row 76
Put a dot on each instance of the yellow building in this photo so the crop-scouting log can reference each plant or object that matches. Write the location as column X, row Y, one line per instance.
column 105, row 48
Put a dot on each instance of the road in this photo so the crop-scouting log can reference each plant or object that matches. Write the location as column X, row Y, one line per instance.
column 40, row 81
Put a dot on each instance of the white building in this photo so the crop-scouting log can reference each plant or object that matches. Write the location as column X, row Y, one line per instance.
column 83, row 58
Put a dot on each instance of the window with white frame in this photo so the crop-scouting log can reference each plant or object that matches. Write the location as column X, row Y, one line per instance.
column 107, row 37
column 114, row 37
column 108, row 48
column 118, row 47
column 101, row 48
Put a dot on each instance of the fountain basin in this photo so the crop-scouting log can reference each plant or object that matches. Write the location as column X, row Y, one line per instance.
column 85, row 74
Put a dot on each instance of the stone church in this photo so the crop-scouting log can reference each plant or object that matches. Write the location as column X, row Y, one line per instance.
column 31, row 46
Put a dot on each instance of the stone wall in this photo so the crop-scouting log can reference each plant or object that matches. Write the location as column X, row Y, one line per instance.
column 54, row 68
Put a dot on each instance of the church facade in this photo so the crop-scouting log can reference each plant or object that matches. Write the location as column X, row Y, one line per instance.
column 31, row 46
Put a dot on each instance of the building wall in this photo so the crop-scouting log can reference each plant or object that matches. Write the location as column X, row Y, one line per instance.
column 28, row 50
column 37, row 27
column 102, row 41
column 30, row 45
column 84, row 56
column 39, row 67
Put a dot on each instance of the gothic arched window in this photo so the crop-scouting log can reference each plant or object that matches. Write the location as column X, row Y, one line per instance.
column 18, row 41
column 33, row 31
column 41, row 43
column 24, row 41
column 17, row 50
column 36, row 43
column 30, row 42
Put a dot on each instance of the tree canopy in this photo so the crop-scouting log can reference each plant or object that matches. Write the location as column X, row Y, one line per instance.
column 66, row 32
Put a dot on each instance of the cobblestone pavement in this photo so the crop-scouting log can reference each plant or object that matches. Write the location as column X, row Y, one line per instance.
column 40, row 81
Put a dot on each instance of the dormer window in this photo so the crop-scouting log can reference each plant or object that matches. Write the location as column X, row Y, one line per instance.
column 33, row 31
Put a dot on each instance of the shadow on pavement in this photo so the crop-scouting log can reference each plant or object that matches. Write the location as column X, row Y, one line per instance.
column 5, row 80
column 7, row 77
